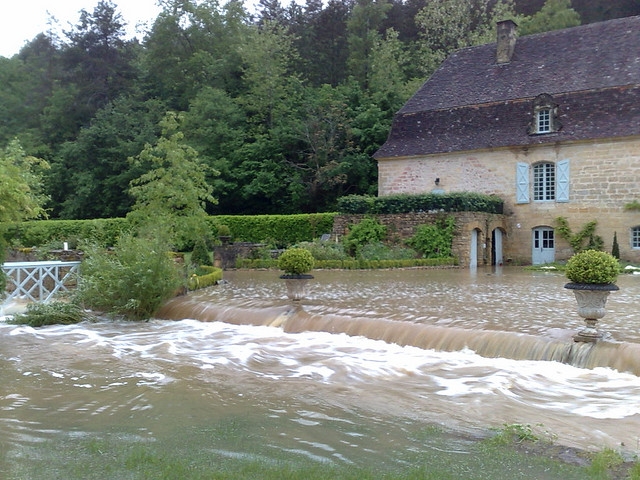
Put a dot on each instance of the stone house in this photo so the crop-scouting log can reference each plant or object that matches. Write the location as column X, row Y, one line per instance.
column 549, row 122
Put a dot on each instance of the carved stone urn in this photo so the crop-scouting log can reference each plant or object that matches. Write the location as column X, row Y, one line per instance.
column 296, row 262
column 591, row 299
column 592, row 275
column 296, row 286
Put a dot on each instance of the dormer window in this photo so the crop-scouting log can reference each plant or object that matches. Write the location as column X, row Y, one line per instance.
column 545, row 116
column 543, row 120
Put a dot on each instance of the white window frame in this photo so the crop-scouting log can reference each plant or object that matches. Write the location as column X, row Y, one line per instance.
column 543, row 121
column 635, row 237
column 544, row 182
column 555, row 182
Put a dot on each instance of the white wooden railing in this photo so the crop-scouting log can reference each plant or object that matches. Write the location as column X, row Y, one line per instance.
column 39, row 281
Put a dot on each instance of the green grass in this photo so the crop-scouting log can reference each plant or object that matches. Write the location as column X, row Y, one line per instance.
column 232, row 450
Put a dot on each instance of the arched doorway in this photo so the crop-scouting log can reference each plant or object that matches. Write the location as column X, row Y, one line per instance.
column 473, row 253
column 496, row 247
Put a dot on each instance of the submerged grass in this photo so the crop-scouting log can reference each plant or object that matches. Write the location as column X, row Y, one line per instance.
column 518, row 454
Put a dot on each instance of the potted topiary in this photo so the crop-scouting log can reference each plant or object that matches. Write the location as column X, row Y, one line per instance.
column 592, row 276
column 224, row 234
column 296, row 264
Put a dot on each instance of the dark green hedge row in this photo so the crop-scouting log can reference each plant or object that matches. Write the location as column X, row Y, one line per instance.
column 353, row 264
column 279, row 230
column 450, row 202
column 41, row 232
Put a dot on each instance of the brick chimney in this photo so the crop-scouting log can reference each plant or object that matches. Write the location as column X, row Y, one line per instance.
column 507, row 35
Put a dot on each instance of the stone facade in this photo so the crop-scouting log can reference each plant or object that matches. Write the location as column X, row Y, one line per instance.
column 403, row 226
column 604, row 176
column 549, row 122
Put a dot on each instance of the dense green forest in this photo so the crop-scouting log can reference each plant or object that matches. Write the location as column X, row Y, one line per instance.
column 283, row 106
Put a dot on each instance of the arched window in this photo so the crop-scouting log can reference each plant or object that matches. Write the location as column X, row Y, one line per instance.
column 550, row 182
column 544, row 182
column 545, row 115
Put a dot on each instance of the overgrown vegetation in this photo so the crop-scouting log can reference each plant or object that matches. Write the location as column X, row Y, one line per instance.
column 40, row 314
column 585, row 239
column 132, row 280
column 434, row 240
column 367, row 231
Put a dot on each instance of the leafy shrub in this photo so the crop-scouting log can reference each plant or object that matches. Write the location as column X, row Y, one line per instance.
column 296, row 261
column 134, row 280
column 54, row 313
column 592, row 266
column 434, row 240
column 363, row 233
column 200, row 254
column 324, row 250
column 379, row 251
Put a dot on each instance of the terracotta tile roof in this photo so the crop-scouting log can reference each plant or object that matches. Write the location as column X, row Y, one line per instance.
column 470, row 102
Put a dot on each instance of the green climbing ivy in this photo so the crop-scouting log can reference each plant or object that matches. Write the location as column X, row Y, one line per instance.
column 577, row 240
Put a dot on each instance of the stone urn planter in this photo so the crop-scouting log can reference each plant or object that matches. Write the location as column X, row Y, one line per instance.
column 296, row 263
column 592, row 275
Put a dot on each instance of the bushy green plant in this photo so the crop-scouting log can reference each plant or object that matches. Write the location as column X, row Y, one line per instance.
column 201, row 254
column 133, row 280
column 54, row 313
column 592, row 267
column 367, row 231
column 434, row 240
column 403, row 203
column 325, row 250
column 380, row 251
column 224, row 231
column 296, row 261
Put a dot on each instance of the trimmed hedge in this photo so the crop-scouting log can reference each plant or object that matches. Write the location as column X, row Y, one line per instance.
column 352, row 264
column 202, row 281
column 104, row 232
column 428, row 202
column 280, row 230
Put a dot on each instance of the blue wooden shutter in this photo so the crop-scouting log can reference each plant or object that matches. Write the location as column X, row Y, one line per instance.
column 562, row 181
column 522, row 183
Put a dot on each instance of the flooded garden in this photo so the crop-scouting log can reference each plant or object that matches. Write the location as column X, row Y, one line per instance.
column 391, row 373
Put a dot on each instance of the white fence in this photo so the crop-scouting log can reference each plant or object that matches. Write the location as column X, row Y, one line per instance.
column 39, row 281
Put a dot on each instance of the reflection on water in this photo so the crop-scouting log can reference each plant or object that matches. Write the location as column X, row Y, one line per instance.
column 335, row 397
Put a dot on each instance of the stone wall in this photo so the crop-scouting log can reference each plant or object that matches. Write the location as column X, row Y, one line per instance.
column 403, row 226
column 604, row 176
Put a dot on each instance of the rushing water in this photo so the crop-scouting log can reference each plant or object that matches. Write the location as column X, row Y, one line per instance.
column 350, row 376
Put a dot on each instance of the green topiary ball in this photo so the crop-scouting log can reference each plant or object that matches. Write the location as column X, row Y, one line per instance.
column 592, row 267
column 296, row 261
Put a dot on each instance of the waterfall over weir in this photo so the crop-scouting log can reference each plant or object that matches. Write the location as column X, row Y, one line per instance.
column 557, row 346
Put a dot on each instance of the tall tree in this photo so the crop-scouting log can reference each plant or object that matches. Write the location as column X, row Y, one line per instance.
column 554, row 15
column 21, row 196
column 91, row 174
column 363, row 32
column 448, row 25
column 172, row 195
column 98, row 60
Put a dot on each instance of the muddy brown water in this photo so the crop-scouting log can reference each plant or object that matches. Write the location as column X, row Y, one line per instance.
column 349, row 375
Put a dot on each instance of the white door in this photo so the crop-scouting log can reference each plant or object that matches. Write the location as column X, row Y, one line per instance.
column 473, row 254
column 497, row 247
column 544, row 249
